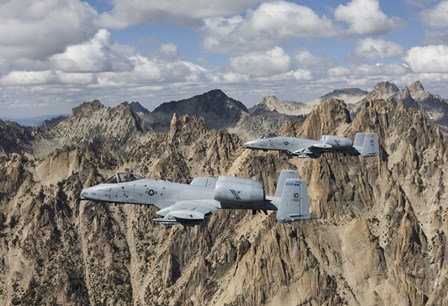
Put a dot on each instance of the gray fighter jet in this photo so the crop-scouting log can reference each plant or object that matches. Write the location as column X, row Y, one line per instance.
column 365, row 144
column 190, row 204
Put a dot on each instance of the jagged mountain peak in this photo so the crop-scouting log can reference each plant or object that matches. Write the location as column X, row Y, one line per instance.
column 405, row 97
column 383, row 90
column 345, row 92
column 215, row 106
column 213, row 100
column 95, row 113
column 181, row 123
column 96, row 107
column 325, row 119
column 138, row 108
column 418, row 92
column 274, row 103
column 268, row 99
column 92, row 123
column 215, row 93
column 87, row 108
column 415, row 87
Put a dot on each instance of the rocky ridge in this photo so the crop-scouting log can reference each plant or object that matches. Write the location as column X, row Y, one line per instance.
column 104, row 128
column 413, row 96
column 128, row 124
column 378, row 233
column 15, row 138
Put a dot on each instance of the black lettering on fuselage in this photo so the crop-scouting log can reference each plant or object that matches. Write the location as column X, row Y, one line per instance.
column 236, row 194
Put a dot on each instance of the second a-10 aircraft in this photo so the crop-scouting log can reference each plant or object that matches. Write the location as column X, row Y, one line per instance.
column 365, row 145
column 190, row 204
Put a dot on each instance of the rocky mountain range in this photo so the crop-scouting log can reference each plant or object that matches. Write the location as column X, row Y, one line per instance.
column 350, row 96
column 414, row 96
column 378, row 233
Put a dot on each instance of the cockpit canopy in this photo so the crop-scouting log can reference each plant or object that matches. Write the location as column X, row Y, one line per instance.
column 121, row 177
column 270, row 135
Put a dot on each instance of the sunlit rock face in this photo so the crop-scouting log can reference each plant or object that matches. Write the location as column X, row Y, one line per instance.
column 377, row 236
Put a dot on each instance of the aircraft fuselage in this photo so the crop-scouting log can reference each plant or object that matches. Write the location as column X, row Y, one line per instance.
column 164, row 194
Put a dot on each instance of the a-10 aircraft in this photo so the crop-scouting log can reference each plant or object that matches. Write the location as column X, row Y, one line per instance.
column 190, row 204
column 365, row 144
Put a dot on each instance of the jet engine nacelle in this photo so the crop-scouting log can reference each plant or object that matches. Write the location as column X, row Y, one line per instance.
column 336, row 141
column 235, row 190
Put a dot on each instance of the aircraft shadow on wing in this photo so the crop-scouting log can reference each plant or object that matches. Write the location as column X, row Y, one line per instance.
column 365, row 144
column 190, row 204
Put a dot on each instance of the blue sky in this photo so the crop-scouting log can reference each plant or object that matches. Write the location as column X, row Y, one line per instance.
column 56, row 54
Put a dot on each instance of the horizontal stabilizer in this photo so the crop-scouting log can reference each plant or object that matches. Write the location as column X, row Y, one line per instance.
column 294, row 201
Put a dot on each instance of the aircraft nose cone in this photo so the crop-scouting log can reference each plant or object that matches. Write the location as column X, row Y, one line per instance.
column 84, row 194
column 249, row 144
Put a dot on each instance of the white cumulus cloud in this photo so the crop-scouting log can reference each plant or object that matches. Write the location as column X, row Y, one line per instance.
column 436, row 37
column 154, row 71
column 37, row 29
column 101, row 61
column 270, row 24
column 338, row 71
column 98, row 54
column 127, row 13
column 436, row 17
column 46, row 77
column 262, row 64
column 368, row 70
column 378, row 48
column 428, row 59
column 365, row 17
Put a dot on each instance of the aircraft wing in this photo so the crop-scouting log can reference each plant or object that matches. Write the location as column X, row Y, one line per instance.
column 187, row 212
column 312, row 151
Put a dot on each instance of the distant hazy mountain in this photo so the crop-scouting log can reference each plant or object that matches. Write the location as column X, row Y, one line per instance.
column 272, row 103
column 383, row 90
column 350, row 96
column 34, row 121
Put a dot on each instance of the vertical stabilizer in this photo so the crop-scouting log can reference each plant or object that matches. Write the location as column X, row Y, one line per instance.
column 285, row 174
column 367, row 144
column 294, row 201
